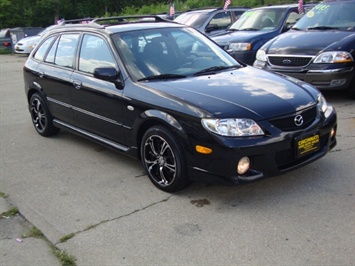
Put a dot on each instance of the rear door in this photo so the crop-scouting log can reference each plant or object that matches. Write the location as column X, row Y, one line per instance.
column 97, row 104
column 55, row 73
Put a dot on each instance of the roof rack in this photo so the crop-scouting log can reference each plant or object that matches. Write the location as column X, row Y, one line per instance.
column 215, row 8
column 127, row 19
column 75, row 21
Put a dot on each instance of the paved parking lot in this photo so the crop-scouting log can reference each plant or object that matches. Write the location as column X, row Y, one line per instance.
column 69, row 186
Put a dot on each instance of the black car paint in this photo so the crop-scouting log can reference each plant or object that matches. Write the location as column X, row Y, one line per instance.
column 120, row 116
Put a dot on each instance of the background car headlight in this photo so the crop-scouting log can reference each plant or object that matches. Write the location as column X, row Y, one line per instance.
column 334, row 57
column 240, row 46
column 233, row 127
column 261, row 55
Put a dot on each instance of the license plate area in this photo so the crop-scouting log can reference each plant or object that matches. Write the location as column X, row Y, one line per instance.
column 307, row 144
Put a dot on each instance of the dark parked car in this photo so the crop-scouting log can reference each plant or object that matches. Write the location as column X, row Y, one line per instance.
column 164, row 93
column 211, row 21
column 255, row 27
column 5, row 39
column 319, row 49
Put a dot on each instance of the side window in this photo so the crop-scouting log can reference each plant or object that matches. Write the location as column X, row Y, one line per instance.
column 51, row 53
column 293, row 17
column 238, row 14
column 66, row 50
column 94, row 53
column 222, row 20
column 41, row 52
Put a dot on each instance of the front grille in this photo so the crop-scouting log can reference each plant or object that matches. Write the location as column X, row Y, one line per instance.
column 286, row 159
column 287, row 123
column 289, row 61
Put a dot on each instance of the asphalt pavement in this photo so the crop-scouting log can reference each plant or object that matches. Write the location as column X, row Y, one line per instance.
column 98, row 207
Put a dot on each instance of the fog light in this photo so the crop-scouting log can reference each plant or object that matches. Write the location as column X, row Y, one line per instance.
column 337, row 82
column 243, row 165
column 332, row 133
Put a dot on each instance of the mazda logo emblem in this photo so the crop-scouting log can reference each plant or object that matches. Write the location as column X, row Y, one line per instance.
column 298, row 120
column 286, row 62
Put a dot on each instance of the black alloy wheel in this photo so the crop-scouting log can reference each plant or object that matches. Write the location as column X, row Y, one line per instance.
column 163, row 159
column 41, row 117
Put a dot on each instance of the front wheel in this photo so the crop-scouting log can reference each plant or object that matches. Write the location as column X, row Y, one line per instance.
column 41, row 117
column 163, row 159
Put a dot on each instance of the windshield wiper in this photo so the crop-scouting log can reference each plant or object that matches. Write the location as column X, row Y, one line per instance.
column 214, row 69
column 233, row 30
column 163, row 76
column 322, row 28
column 250, row 29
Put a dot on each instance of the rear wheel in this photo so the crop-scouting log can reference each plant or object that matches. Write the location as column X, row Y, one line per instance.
column 163, row 159
column 41, row 117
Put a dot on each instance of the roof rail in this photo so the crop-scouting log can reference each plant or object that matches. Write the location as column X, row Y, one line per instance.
column 128, row 19
column 75, row 21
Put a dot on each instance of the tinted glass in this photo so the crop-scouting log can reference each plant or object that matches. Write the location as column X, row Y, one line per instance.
column 41, row 52
column 261, row 19
column 66, row 50
column 178, row 51
column 94, row 53
column 222, row 20
column 194, row 19
column 331, row 14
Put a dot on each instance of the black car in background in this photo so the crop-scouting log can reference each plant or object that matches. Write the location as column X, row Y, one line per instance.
column 166, row 94
column 211, row 21
column 257, row 26
column 319, row 49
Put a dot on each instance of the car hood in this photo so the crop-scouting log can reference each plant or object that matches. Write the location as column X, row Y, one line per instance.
column 246, row 92
column 30, row 39
column 240, row 36
column 305, row 42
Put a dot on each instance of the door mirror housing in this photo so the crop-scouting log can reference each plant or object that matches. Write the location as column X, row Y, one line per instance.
column 109, row 74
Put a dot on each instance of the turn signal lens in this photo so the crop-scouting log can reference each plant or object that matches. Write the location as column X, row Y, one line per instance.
column 203, row 150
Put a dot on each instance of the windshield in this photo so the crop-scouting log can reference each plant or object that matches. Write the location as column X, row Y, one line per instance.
column 193, row 19
column 338, row 15
column 259, row 19
column 170, row 53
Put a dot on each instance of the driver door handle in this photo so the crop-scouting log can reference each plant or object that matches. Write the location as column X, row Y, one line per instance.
column 77, row 84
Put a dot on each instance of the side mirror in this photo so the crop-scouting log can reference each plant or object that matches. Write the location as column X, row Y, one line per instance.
column 108, row 74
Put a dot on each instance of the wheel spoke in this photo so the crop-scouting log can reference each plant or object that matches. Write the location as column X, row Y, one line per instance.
column 159, row 160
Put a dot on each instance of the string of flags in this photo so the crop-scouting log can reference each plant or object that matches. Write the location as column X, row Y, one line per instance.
column 226, row 4
column 300, row 7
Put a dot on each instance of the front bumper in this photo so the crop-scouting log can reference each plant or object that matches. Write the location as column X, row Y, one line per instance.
column 323, row 79
column 247, row 57
column 270, row 156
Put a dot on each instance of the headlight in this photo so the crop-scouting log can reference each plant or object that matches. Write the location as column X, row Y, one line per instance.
column 233, row 127
column 334, row 57
column 261, row 55
column 322, row 103
column 240, row 46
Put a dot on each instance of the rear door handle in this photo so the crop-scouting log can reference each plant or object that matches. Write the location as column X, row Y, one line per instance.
column 77, row 84
column 41, row 73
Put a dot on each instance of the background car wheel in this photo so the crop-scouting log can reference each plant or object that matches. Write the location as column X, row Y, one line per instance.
column 41, row 117
column 163, row 159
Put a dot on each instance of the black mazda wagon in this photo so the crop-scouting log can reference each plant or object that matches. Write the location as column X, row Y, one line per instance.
column 166, row 94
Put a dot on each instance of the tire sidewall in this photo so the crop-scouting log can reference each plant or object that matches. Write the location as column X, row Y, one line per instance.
column 181, row 179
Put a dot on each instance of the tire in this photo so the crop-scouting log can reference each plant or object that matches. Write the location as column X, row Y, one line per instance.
column 163, row 159
column 351, row 89
column 41, row 117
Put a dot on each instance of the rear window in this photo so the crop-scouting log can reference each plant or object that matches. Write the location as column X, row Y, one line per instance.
column 5, row 34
